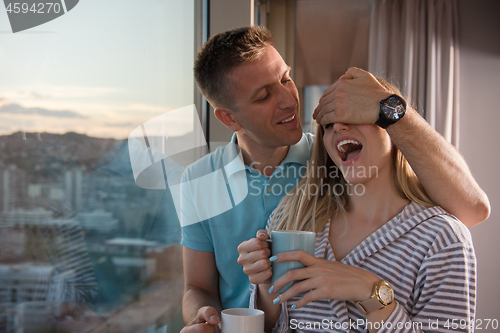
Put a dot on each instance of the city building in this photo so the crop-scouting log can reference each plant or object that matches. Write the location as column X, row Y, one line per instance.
column 98, row 220
column 130, row 256
column 13, row 188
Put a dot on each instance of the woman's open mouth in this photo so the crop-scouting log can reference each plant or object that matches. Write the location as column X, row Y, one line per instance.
column 348, row 149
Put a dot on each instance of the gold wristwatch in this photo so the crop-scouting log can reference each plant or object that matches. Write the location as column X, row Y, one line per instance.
column 382, row 296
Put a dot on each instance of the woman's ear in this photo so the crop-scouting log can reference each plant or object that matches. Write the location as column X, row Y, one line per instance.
column 226, row 116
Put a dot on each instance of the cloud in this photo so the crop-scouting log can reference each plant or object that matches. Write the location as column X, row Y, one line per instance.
column 14, row 108
column 51, row 91
column 37, row 95
column 120, row 124
column 149, row 108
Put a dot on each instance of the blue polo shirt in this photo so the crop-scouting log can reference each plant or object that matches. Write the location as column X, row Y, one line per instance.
column 224, row 202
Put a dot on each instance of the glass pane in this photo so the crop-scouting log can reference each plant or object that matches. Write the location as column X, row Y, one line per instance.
column 96, row 125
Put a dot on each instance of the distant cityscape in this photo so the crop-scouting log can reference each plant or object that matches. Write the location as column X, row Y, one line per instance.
column 74, row 226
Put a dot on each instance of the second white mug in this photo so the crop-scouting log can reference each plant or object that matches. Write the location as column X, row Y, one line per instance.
column 242, row 320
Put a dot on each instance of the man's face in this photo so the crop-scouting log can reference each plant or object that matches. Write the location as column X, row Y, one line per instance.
column 266, row 102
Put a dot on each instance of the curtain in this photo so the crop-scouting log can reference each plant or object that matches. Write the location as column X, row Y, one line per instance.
column 330, row 36
column 415, row 43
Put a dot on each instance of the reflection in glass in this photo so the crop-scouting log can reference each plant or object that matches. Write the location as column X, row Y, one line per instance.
column 82, row 246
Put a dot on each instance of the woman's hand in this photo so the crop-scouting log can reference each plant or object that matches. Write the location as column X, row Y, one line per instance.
column 254, row 257
column 324, row 279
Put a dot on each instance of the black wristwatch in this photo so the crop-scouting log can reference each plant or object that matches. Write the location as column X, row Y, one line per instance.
column 392, row 109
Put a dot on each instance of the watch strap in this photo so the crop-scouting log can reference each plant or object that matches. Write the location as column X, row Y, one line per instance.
column 383, row 121
column 374, row 303
column 369, row 305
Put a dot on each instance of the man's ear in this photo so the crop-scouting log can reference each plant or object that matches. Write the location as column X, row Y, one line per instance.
column 226, row 116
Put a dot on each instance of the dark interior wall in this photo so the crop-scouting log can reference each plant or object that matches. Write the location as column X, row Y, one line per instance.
column 479, row 135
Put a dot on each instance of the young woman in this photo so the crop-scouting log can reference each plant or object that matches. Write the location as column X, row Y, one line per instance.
column 386, row 258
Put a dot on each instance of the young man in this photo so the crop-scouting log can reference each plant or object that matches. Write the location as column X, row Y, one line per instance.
column 247, row 82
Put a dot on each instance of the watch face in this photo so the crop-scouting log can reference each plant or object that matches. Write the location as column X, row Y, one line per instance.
column 394, row 108
column 385, row 294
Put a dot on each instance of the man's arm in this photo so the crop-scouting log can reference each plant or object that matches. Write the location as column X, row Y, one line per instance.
column 441, row 169
column 201, row 289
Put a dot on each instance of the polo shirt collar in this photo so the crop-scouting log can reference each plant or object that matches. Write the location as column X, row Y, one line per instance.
column 233, row 158
column 299, row 152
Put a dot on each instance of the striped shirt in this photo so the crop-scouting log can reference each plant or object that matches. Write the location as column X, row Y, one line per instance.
column 427, row 257
column 56, row 245
column 75, row 275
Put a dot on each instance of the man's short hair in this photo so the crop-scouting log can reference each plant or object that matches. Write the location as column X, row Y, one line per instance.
column 222, row 53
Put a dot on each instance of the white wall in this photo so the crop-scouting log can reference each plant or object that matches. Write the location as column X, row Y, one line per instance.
column 480, row 136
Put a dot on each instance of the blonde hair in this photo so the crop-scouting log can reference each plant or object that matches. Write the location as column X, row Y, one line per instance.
column 322, row 192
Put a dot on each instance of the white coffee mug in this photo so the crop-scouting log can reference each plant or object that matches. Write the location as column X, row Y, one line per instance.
column 242, row 320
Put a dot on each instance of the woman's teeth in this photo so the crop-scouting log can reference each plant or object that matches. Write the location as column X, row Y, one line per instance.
column 345, row 142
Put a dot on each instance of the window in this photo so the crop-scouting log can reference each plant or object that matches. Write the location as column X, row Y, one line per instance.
column 73, row 90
